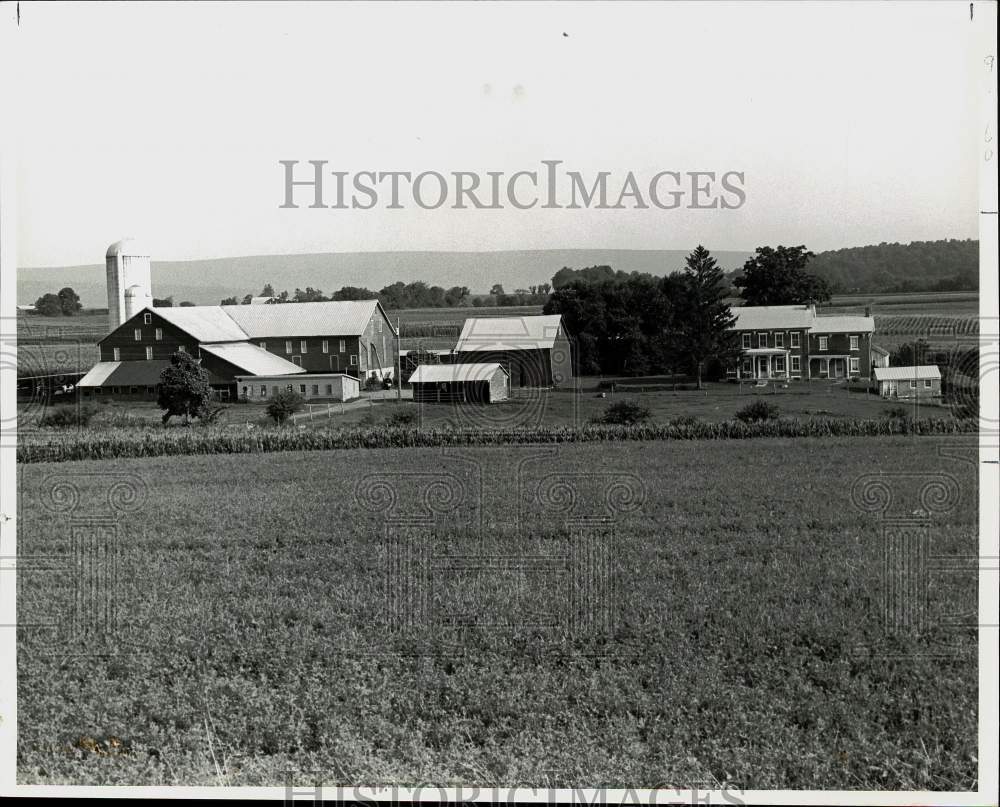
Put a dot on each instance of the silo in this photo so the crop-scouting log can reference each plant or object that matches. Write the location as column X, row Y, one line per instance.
column 127, row 263
column 136, row 299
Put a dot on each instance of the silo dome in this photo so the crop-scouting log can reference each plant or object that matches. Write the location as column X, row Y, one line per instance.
column 135, row 291
column 127, row 246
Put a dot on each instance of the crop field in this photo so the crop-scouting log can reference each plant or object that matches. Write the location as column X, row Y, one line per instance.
column 643, row 614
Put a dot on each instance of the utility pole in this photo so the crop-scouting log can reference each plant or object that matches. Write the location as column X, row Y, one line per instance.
column 399, row 366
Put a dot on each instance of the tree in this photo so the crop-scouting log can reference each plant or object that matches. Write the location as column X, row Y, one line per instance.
column 354, row 293
column 778, row 277
column 247, row 299
column 456, row 296
column 69, row 301
column 187, row 303
column 227, row 301
column 163, row 302
column 283, row 404
column 702, row 318
column 267, row 291
column 49, row 305
column 497, row 290
column 184, row 389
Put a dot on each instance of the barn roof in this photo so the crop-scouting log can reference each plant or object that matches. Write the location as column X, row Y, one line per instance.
column 334, row 318
column 252, row 359
column 506, row 333
column 124, row 374
column 920, row 371
column 206, row 323
column 432, row 373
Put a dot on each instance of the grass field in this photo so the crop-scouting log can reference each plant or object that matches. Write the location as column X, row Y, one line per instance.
column 264, row 629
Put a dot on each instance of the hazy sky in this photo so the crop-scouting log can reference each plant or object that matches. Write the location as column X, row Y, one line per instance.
column 853, row 123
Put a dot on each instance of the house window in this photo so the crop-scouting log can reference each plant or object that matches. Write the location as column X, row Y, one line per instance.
column 855, row 368
column 796, row 364
column 779, row 340
column 138, row 334
column 854, row 343
column 147, row 318
column 297, row 360
column 263, row 345
column 746, row 341
column 343, row 346
column 315, row 389
column 159, row 334
column 149, row 353
column 762, row 340
column 354, row 359
column 824, row 342
column 329, row 389
column 117, row 354
column 793, row 339
column 302, row 388
column 927, row 383
column 302, row 346
column 288, row 347
column 779, row 364
column 263, row 390
column 913, row 383
column 326, row 345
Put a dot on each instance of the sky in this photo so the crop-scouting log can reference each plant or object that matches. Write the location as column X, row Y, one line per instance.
column 852, row 123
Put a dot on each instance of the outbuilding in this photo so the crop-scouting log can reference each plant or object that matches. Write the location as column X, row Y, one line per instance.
column 919, row 381
column 311, row 386
column 463, row 383
column 534, row 350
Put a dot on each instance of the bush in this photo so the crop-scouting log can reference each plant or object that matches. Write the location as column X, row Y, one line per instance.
column 757, row 412
column 387, row 382
column 684, row 420
column 405, row 417
column 896, row 412
column 623, row 413
column 372, row 383
column 283, row 404
column 66, row 417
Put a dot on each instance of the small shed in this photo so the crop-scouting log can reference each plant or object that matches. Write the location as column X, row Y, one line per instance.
column 311, row 386
column 880, row 356
column 464, row 383
column 919, row 381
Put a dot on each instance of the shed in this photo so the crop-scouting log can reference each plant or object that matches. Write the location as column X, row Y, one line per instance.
column 311, row 386
column 918, row 381
column 465, row 383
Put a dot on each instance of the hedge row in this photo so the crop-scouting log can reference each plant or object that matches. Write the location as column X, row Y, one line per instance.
column 83, row 445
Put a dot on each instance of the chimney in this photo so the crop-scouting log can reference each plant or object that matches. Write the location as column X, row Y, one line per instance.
column 868, row 310
column 812, row 309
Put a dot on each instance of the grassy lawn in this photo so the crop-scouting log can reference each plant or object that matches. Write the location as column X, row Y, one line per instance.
column 744, row 644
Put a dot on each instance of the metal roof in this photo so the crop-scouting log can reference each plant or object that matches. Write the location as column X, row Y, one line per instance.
column 763, row 317
column 124, row 374
column 334, row 318
column 253, row 359
column 920, row 371
column 206, row 323
column 843, row 325
column 431, row 373
column 506, row 333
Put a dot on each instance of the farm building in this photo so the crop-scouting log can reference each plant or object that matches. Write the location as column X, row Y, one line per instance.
column 880, row 357
column 311, row 386
column 534, row 350
column 919, row 381
column 466, row 383
column 793, row 342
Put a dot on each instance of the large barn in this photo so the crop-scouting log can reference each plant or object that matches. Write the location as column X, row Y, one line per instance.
column 534, row 350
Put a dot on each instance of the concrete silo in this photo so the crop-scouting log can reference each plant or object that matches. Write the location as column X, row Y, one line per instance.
column 130, row 287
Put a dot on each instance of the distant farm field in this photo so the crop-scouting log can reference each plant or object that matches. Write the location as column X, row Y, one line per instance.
column 733, row 633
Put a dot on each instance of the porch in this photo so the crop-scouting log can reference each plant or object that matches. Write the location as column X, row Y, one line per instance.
column 762, row 364
column 834, row 367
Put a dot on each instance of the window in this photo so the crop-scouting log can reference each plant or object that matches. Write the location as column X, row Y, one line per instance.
column 138, row 334
column 793, row 339
column 746, row 341
column 796, row 364
column 854, row 343
column 824, row 342
column 159, row 334
column 263, row 390
column 329, row 389
column 315, row 389
column 343, row 346
column 302, row 388
column 779, row 364
column 354, row 359
column 297, row 360
column 263, row 345
column 855, row 368
column 149, row 353
column 762, row 340
column 326, row 345
column 927, row 383
column 913, row 383
column 147, row 318
column 117, row 353
column 288, row 347
column 779, row 340
column 302, row 346
column 182, row 349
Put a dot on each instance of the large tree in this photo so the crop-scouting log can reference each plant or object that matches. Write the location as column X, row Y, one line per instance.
column 702, row 327
column 777, row 276
column 49, row 305
column 69, row 301
column 184, row 389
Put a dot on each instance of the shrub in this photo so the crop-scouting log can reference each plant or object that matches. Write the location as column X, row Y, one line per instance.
column 372, row 383
column 404, row 417
column 896, row 412
column 387, row 382
column 66, row 417
column 283, row 404
column 624, row 413
column 684, row 420
column 757, row 411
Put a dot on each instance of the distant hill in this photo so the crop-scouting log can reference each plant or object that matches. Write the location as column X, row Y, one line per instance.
column 919, row 266
column 208, row 281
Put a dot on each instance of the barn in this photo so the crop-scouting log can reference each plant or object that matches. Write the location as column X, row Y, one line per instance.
column 460, row 383
column 534, row 350
column 919, row 381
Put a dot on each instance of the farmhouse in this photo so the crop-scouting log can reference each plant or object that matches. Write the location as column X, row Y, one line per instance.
column 920, row 381
column 534, row 350
column 793, row 342
column 447, row 383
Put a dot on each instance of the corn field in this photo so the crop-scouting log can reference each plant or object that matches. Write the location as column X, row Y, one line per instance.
column 926, row 325
column 55, row 446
